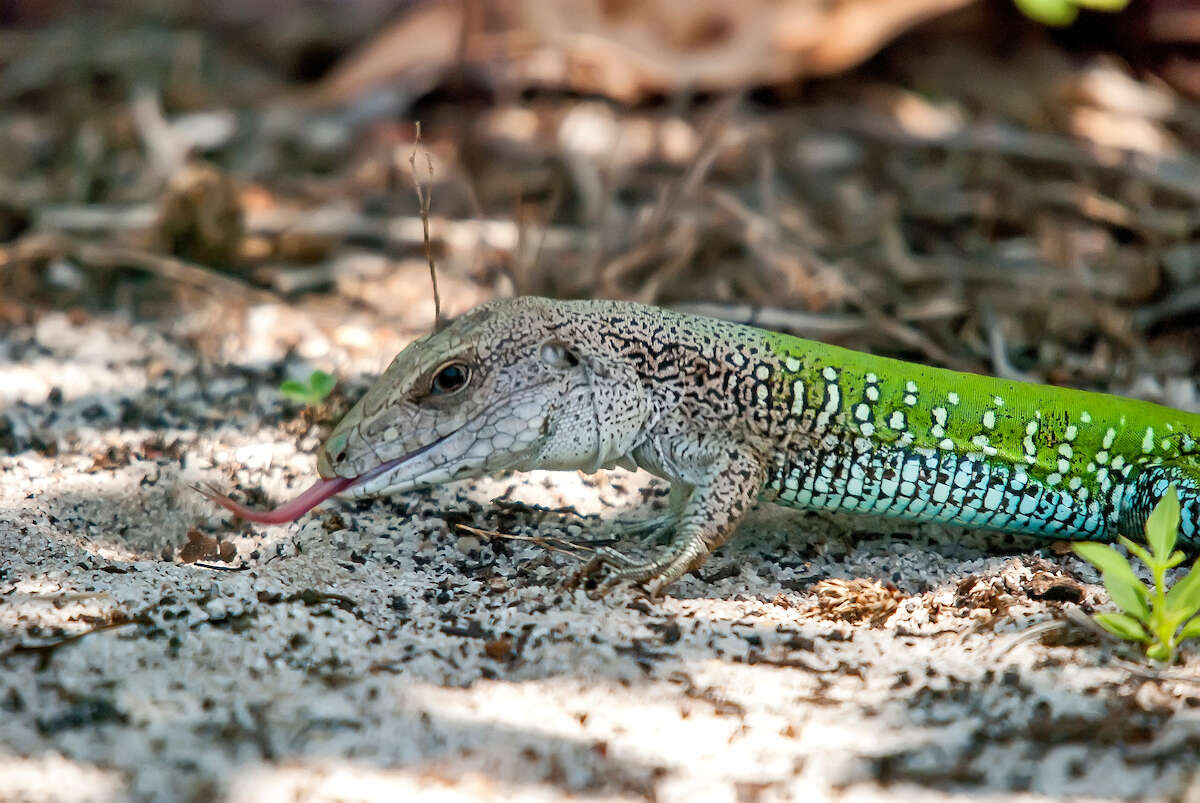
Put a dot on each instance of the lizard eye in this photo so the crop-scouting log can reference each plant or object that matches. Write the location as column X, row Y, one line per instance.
column 450, row 378
column 558, row 355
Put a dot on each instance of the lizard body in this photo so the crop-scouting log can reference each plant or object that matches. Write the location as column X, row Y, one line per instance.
column 729, row 413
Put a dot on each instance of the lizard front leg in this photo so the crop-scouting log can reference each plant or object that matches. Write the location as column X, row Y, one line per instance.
column 725, row 478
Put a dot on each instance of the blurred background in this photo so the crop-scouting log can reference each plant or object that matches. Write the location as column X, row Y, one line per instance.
column 988, row 185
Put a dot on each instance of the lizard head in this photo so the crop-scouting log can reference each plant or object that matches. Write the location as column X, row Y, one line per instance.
column 520, row 383
column 512, row 384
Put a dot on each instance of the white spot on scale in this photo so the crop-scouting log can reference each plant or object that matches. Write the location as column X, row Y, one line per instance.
column 867, row 428
column 1109, row 435
column 980, row 440
column 1064, row 466
column 989, row 420
column 1065, row 449
column 1117, row 462
column 1075, row 483
column 738, row 359
column 952, row 397
column 1165, row 444
column 1031, row 428
column 792, row 364
column 1085, row 417
column 910, row 386
column 897, row 421
column 937, row 431
column 862, row 412
column 1148, row 440
column 1102, row 457
column 829, row 373
column 872, row 393
column 761, row 392
column 910, row 399
column 763, row 373
column 947, row 444
column 939, row 415
column 872, row 378
column 996, row 400
column 833, row 397
column 1072, row 432
column 1053, row 479
column 797, row 397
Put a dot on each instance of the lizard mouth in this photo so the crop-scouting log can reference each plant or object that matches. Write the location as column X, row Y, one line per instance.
column 314, row 495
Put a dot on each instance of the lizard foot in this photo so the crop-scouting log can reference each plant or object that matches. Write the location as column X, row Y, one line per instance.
column 611, row 568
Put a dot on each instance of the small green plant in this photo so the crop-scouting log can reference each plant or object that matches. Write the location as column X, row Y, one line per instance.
column 314, row 391
column 1159, row 618
column 1063, row 12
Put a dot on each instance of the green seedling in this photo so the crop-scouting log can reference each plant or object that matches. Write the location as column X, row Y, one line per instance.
column 314, row 391
column 1158, row 618
column 1059, row 13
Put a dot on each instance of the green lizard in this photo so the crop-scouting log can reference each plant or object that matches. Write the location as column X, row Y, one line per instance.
column 729, row 413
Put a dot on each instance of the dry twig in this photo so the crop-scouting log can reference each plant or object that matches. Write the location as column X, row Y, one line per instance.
column 576, row 551
column 423, row 200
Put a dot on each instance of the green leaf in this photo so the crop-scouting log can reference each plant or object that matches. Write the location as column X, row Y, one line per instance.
column 1162, row 525
column 1111, row 563
column 1160, row 652
column 322, row 384
column 1184, row 597
column 1121, row 625
column 1129, row 597
column 297, row 390
column 1190, row 630
column 1175, row 560
column 1049, row 12
column 1103, row 5
column 1140, row 551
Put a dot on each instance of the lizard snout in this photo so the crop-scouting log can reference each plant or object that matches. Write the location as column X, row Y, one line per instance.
column 335, row 446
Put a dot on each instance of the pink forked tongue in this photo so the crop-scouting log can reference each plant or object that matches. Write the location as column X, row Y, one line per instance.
column 289, row 511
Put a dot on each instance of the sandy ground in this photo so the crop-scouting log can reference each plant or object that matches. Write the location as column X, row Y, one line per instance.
column 373, row 650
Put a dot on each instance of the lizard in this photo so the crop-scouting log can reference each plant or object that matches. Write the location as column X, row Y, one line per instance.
column 729, row 414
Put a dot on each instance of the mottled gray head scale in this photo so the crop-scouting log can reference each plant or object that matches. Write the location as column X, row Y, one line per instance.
column 513, row 384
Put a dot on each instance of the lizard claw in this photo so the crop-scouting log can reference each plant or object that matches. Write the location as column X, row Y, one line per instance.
column 650, row 531
column 612, row 569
